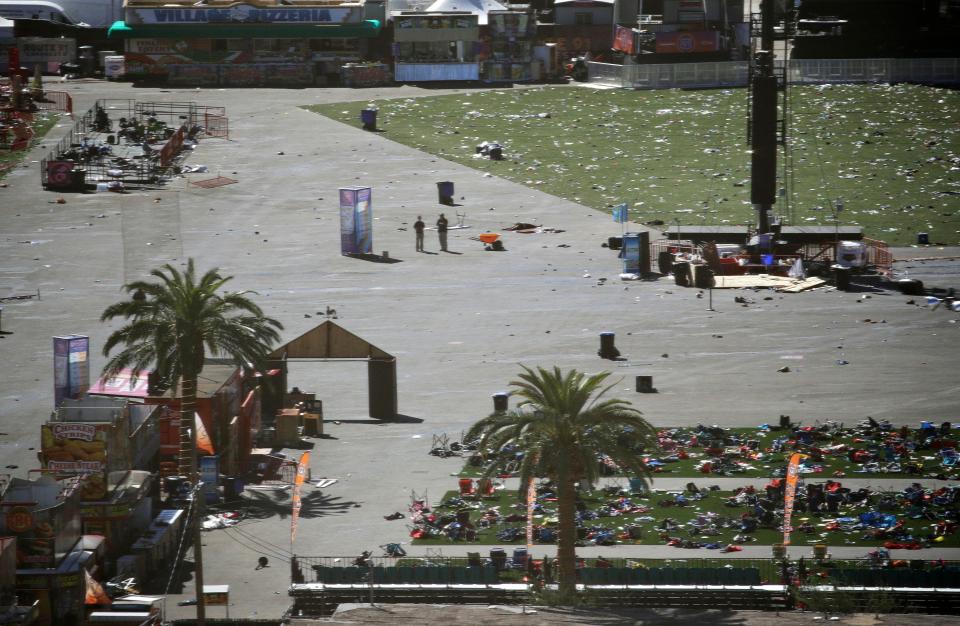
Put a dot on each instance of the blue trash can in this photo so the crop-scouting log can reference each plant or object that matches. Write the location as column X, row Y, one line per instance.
column 445, row 192
column 369, row 119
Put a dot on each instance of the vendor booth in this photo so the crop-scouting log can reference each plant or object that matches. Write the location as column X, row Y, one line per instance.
column 43, row 515
column 436, row 46
column 245, row 44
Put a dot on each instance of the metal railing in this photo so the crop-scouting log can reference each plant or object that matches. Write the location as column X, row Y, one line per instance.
column 799, row 71
column 309, row 569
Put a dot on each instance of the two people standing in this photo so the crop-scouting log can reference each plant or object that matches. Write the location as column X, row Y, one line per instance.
column 442, row 224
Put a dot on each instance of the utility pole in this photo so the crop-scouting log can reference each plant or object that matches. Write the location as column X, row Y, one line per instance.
column 189, row 467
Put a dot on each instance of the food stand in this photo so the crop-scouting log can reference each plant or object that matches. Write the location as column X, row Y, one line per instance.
column 435, row 46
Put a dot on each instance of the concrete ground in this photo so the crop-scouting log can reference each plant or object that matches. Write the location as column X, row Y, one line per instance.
column 459, row 323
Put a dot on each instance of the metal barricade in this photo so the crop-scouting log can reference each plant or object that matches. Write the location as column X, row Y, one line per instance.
column 800, row 71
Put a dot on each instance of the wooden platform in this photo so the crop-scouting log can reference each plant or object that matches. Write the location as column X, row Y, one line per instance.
column 766, row 281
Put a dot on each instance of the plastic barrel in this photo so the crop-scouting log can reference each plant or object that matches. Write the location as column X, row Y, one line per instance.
column 665, row 262
column 681, row 274
column 500, row 402
column 607, row 348
column 382, row 374
column 445, row 192
column 645, row 384
column 369, row 119
column 841, row 277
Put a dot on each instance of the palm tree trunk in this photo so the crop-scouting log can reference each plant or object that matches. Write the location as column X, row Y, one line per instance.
column 567, row 536
column 189, row 467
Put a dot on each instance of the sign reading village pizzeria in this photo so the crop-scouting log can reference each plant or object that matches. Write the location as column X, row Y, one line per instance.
column 243, row 14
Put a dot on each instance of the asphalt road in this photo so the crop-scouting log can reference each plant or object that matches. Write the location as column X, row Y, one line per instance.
column 458, row 323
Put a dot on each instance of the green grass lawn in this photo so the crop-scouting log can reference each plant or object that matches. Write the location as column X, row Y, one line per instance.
column 769, row 464
column 892, row 152
column 43, row 121
column 507, row 502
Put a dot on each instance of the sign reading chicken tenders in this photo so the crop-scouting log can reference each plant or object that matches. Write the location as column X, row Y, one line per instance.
column 77, row 449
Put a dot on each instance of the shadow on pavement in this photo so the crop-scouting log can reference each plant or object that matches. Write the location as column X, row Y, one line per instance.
column 262, row 505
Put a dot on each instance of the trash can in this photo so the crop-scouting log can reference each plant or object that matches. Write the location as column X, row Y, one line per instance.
column 88, row 60
column 607, row 349
column 498, row 557
column 779, row 550
column 369, row 119
column 614, row 243
column 665, row 262
column 841, row 277
column 820, row 551
column 445, row 192
column 78, row 179
column 681, row 274
column 500, row 402
column 910, row 286
column 923, row 239
column 645, row 384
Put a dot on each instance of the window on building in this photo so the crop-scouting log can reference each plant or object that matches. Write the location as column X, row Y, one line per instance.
column 583, row 19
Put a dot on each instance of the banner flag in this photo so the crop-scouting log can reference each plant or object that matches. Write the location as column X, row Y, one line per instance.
column 620, row 213
column 790, row 494
column 297, row 487
column 531, row 501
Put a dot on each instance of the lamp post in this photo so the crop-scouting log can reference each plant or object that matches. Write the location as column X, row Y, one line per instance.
column 837, row 207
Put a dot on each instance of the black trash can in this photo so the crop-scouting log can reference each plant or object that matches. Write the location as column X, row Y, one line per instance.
column 369, row 119
column 498, row 557
column 614, row 243
column 923, row 239
column 841, row 277
column 681, row 274
column 665, row 262
column 645, row 384
column 910, row 287
column 607, row 349
column 500, row 402
column 78, row 179
column 445, row 192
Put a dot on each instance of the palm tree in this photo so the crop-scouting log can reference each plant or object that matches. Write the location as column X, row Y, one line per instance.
column 562, row 424
column 171, row 325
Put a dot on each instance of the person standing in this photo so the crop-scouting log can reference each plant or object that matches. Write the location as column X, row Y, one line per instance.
column 418, row 228
column 442, row 231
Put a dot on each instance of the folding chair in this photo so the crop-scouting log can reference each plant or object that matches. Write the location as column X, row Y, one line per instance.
column 485, row 486
column 466, row 487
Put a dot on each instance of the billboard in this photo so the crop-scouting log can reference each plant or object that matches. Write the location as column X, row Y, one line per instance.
column 623, row 40
column 71, row 367
column 699, row 41
column 356, row 221
column 77, row 449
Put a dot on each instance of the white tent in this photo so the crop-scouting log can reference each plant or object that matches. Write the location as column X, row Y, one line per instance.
column 476, row 7
column 6, row 28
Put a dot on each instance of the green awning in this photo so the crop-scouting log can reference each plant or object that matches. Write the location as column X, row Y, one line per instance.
column 122, row 30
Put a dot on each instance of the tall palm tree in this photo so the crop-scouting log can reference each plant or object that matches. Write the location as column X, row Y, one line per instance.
column 562, row 423
column 172, row 324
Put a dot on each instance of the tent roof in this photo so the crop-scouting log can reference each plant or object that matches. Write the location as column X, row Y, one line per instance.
column 477, row 7
column 329, row 341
